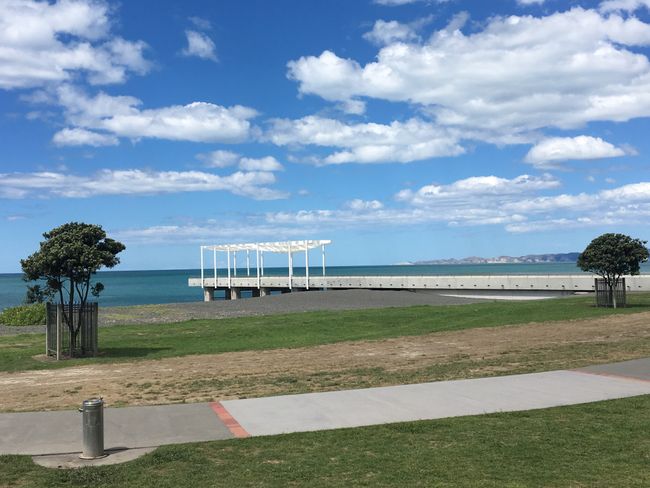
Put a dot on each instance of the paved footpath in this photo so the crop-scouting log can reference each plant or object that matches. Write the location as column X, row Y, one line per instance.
column 136, row 427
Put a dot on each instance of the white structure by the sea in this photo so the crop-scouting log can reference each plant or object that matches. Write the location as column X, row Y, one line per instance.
column 260, row 285
column 256, row 284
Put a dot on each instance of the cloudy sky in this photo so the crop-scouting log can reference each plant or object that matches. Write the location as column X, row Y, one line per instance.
column 400, row 129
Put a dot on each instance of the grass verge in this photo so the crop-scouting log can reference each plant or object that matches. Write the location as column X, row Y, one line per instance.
column 124, row 343
column 597, row 445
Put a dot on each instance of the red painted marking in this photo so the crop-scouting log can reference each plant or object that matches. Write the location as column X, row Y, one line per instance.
column 610, row 375
column 229, row 421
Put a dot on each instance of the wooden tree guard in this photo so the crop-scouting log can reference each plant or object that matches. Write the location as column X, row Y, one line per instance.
column 57, row 334
column 605, row 296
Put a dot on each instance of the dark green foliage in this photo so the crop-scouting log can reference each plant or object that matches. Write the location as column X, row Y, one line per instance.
column 38, row 294
column 32, row 314
column 613, row 256
column 67, row 259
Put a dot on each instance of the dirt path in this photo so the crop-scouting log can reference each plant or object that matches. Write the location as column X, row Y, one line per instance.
column 348, row 364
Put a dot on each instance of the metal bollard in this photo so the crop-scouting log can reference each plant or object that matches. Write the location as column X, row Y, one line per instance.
column 93, row 428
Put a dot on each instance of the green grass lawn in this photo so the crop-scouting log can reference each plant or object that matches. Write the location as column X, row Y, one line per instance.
column 122, row 343
column 602, row 444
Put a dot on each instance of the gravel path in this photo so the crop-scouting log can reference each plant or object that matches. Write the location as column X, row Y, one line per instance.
column 6, row 330
column 275, row 304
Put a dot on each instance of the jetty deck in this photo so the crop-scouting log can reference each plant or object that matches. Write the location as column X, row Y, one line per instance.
column 264, row 285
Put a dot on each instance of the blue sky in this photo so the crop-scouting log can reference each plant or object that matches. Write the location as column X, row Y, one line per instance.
column 400, row 129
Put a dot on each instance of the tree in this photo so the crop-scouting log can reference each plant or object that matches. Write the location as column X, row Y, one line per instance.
column 38, row 294
column 613, row 256
column 67, row 259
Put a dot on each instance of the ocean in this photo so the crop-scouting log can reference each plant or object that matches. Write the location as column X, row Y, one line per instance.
column 169, row 286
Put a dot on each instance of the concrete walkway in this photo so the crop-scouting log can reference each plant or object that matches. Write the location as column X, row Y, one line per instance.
column 129, row 427
column 137, row 427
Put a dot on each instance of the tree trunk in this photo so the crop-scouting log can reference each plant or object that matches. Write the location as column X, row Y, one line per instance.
column 73, row 335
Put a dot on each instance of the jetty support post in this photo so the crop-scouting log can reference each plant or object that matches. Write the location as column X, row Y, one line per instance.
column 208, row 293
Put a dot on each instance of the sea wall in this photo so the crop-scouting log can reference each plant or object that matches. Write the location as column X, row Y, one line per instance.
column 563, row 283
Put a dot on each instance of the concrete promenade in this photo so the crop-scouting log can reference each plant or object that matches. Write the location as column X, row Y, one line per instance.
column 137, row 427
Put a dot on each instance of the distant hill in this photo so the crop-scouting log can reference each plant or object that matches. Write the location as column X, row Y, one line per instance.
column 568, row 257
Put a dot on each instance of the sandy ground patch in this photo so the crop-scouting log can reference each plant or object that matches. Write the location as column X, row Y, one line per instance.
column 260, row 373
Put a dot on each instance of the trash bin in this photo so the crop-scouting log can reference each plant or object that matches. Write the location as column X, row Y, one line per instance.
column 93, row 428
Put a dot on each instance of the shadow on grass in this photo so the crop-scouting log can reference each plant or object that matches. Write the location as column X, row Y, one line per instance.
column 130, row 352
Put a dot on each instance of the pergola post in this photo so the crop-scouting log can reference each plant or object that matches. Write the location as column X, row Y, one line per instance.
column 214, row 260
column 228, row 267
column 307, row 267
column 202, row 274
column 257, row 264
column 231, row 250
column 290, row 268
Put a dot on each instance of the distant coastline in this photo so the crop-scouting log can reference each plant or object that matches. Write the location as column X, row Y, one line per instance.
column 568, row 257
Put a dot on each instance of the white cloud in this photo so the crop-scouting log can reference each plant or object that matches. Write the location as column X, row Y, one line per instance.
column 395, row 3
column 268, row 163
column 43, row 43
column 121, row 116
column 477, row 188
column 633, row 193
column 530, row 2
column 546, row 204
column 392, row 3
column 555, row 149
column 223, row 159
column 353, row 107
column 196, row 122
column 219, row 158
column 517, row 74
column 623, row 5
column 367, row 142
column 488, row 201
column 518, row 204
column 479, row 200
column 201, row 23
column 387, row 32
column 358, row 204
column 135, row 182
column 83, row 137
column 204, row 231
column 199, row 45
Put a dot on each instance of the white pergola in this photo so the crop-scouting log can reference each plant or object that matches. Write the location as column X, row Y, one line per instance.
column 259, row 248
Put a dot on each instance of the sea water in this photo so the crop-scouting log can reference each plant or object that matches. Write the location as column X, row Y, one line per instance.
column 170, row 286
